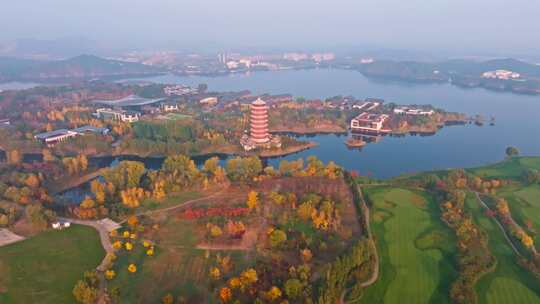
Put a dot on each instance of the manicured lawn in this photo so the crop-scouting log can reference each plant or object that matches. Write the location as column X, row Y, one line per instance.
column 509, row 283
column 524, row 202
column 511, row 168
column 415, row 248
column 45, row 268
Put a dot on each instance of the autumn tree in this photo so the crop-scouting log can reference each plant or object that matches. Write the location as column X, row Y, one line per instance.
column 248, row 277
column 252, row 200
column 213, row 170
column 75, row 165
column 14, row 157
column 167, row 299
column 99, row 191
column 127, row 174
column 32, row 181
column 305, row 210
column 38, row 216
column 274, row 293
column 293, row 288
column 277, row 237
column 225, row 295
column 132, row 197
column 4, row 220
column 502, row 207
column 86, row 290
column 84, row 293
column 243, row 169
column 47, row 155
column 181, row 168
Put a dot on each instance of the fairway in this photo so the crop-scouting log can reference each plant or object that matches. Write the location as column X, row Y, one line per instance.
column 509, row 283
column 510, row 168
column 524, row 203
column 44, row 269
column 414, row 248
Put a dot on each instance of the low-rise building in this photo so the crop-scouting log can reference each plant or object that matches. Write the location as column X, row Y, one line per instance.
column 413, row 111
column 169, row 106
column 209, row 101
column 369, row 123
column 60, row 135
column 121, row 115
column 56, row 136
column 91, row 129
column 179, row 90
column 501, row 74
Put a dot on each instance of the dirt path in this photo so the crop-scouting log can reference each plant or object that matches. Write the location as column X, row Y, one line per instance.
column 7, row 237
column 479, row 199
column 375, row 273
column 182, row 205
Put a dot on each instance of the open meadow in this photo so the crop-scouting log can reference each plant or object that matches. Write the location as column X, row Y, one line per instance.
column 44, row 268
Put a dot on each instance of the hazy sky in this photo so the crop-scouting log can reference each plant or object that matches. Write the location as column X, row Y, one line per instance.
column 416, row 24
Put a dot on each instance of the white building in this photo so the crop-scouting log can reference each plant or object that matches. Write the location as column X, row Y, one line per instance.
column 501, row 74
column 370, row 123
column 210, row 101
column 412, row 111
column 231, row 65
column 121, row 115
column 55, row 136
column 178, row 90
column 319, row 57
column 295, row 56
column 169, row 107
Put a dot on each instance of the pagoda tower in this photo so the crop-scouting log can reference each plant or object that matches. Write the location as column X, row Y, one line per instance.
column 259, row 122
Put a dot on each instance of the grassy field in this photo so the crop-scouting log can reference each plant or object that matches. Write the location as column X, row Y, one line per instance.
column 524, row 202
column 170, row 200
column 509, row 283
column 511, row 168
column 45, row 268
column 178, row 267
column 416, row 249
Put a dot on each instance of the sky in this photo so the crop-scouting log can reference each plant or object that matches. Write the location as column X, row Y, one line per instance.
column 499, row 25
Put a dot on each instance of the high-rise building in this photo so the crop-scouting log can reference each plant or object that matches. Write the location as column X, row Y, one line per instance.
column 259, row 122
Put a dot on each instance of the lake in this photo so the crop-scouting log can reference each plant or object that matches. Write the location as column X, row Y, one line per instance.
column 517, row 119
column 15, row 85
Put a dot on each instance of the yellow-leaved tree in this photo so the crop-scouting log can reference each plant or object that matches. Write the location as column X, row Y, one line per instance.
column 252, row 200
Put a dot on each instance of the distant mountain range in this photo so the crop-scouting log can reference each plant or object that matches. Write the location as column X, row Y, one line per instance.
column 80, row 67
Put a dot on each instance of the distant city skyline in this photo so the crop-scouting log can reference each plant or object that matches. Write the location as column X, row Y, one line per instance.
column 463, row 26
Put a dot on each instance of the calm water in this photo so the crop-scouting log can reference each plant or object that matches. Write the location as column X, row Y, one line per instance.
column 18, row 85
column 517, row 119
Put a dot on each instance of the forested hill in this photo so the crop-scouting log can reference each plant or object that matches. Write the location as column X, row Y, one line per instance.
column 461, row 72
column 83, row 67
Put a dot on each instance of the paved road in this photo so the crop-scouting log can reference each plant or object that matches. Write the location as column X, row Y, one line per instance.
column 7, row 237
